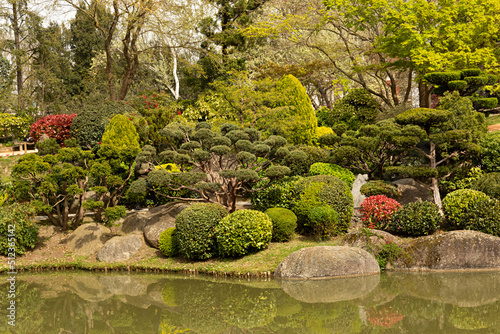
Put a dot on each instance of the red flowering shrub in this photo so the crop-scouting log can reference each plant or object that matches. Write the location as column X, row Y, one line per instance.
column 377, row 211
column 54, row 126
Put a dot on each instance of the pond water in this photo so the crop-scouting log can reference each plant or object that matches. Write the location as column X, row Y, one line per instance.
column 82, row 302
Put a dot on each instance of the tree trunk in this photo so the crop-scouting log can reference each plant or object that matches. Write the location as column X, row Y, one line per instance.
column 435, row 185
column 424, row 94
column 17, row 53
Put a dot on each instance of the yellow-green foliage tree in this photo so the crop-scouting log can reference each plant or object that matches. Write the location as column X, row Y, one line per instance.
column 121, row 133
column 298, row 124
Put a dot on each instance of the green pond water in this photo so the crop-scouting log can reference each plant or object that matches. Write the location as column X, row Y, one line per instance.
column 82, row 302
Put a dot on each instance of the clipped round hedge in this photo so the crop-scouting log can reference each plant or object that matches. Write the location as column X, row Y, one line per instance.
column 323, row 190
column 168, row 242
column 416, row 219
column 280, row 193
column 284, row 223
column 195, row 230
column 243, row 232
column 321, row 168
column 380, row 187
column 488, row 184
column 483, row 216
column 458, row 203
column 323, row 221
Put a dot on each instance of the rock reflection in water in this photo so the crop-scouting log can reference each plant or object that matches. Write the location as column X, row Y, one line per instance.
column 116, row 303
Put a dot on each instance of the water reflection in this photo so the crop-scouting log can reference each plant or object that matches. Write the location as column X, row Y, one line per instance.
column 117, row 303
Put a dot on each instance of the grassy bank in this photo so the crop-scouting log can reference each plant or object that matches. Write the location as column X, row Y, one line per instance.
column 261, row 264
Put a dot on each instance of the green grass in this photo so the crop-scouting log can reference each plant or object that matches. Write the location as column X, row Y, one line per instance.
column 493, row 119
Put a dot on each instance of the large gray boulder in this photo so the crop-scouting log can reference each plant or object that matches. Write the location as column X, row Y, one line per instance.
column 451, row 250
column 326, row 262
column 88, row 239
column 161, row 218
column 413, row 191
column 329, row 290
column 120, row 249
column 134, row 222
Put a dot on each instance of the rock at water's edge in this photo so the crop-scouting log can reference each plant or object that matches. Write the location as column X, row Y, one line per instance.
column 120, row 248
column 88, row 239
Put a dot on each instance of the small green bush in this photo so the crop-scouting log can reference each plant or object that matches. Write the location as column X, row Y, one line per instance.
column 284, row 223
column 121, row 133
column 380, row 187
column 323, row 221
column 457, row 203
column 196, row 230
column 168, row 242
column 483, row 216
column 243, row 232
column 488, row 184
column 321, row 190
column 18, row 230
column 280, row 193
column 416, row 219
column 114, row 213
column 490, row 152
column 320, row 168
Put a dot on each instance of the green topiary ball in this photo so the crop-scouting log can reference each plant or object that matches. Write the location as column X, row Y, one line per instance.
column 323, row 190
column 416, row 219
column 320, row 168
column 121, row 133
column 483, row 216
column 488, row 184
column 168, row 242
column 457, row 203
column 284, row 223
column 280, row 193
column 323, row 221
column 380, row 187
column 195, row 230
column 243, row 232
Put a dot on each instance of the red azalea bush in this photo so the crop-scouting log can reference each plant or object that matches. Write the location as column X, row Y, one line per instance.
column 377, row 211
column 54, row 126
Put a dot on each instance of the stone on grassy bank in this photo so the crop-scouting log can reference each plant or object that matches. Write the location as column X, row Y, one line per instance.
column 327, row 262
column 120, row 249
column 159, row 219
column 88, row 239
column 450, row 251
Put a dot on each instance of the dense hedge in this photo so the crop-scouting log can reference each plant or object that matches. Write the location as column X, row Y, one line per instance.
column 458, row 203
column 483, row 216
column 168, row 242
column 54, row 126
column 490, row 152
column 324, row 222
column 284, row 223
column 195, row 230
column 416, row 219
column 120, row 133
column 320, row 168
column 18, row 230
column 323, row 190
column 243, row 232
column 488, row 184
column 280, row 193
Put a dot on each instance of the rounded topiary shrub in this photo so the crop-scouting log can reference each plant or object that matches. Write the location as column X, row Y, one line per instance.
column 380, row 187
column 488, row 184
column 377, row 211
column 18, row 230
column 323, row 221
column 490, row 152
column 483, row 216
column 168, row 242
column 195, row 230
column 457, row 203
column 321, row 190
column 121, row 133
column 243, row 232
column 284, row 223
column 280, row 193
column 416, row 219
column 321, row 168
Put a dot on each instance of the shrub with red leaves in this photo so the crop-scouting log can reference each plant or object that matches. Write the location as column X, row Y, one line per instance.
column 377, row 211
column 54, row 126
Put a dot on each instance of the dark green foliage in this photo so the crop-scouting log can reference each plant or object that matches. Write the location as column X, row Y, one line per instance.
column 243, row 232
column 298, row 162
column 323, row 221
column 48, row 146
column 441, row 78
column 167, row 242
column 18, row 230
column 490, row 152
column 488, row 184
column 458, row 203
column 323, row 190
column 280, row 193
column 484, row 102
column 483, row 216
column 423, row 117
column 380, row 187
column 345, row 175
column 284, row 223
column 114, row 213
column 457, row 84
column 195, row 230
column 416, row 219
column 357, row 108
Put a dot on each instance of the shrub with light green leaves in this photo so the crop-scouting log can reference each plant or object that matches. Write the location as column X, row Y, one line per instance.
column 321, row 190
column 416, row 219
column 458, row 203
column 320, row 168
column 196, row 230
column 280, row 193
column 284, row 223
column 18, row 230
column 488, row 184
column 323, row 221
column 243, row 232
column 483, row 216
column 490, row 152
column 168, row 242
